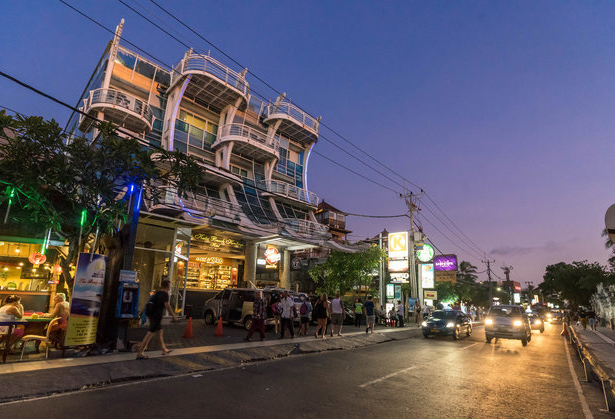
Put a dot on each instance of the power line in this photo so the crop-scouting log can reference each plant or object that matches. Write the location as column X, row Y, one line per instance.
column 466, row 251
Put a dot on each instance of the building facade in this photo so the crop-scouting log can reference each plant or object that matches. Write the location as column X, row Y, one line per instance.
column 254, row 208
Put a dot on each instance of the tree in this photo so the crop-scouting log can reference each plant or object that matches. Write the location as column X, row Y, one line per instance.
column 575, row 282
column 52, row 181
column 467, row 272
column 345, row 271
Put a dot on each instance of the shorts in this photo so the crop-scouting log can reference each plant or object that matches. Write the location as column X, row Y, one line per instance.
column 371, row 319
column 336, row 318
column 305, row 320
column 155, row 323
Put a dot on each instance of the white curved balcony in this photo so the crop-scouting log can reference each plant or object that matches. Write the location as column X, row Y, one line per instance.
column 210, row 81
column 289, row 191
column 295, row 123
column 120, row 108
column 307, row 228
column 249, row 141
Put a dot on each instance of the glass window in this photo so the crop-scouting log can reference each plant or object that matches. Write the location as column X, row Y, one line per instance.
column 125, row 59
column 197, row 132
column 158, row 125
column 163, row 77
column 145, row 69
column 181, row 125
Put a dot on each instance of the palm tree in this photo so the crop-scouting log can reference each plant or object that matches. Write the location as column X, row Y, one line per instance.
column 467, row 272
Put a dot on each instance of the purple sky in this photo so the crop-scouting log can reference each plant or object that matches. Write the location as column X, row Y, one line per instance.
column 501, row 111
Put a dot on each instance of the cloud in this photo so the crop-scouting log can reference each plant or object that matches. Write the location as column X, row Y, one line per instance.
column 549, row 247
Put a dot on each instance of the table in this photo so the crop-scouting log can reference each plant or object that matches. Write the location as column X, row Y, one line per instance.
column 11, row 324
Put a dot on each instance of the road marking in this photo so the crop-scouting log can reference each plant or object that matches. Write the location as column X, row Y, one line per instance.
column 603, row 337
column 469, row 346
column 577, row 385
column 377, row 380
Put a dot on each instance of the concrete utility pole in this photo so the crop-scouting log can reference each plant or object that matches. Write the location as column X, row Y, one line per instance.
column 488, row 262
column 507, row 270
column 412, row 204
column 530, row 287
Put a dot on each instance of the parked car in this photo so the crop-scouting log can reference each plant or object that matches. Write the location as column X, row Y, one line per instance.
column 234, row 306
column 508, row 322
column 536, row 322
column 447, row 323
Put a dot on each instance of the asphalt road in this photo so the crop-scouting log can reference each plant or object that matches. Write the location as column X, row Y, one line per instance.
column 415, row 378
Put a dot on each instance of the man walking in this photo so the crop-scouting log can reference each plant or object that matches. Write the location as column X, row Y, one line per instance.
column 417, row 313
column 400, row 314
column 287, row 306
column 370, row 317
column 258, row 317
column 337, row 314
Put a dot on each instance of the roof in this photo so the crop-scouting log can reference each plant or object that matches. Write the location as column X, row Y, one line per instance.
column 324, row 206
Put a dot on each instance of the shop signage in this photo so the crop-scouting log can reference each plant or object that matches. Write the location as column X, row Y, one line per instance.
column 390, row 290
column 400, row 277
column 427, row 275
column 445, row 263
column 430, row 295
column 398, row 245
column 425, row 254
column 86, row 299
column 128, row 276
column 398, row 265
column 211, row 260
column 217, row 243
column 295, row 264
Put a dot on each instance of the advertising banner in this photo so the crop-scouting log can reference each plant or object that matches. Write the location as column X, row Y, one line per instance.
column 398, row 245
column 398, row 265
column 427, row 275
column 86, row 298
column 445, row 262
column 430, row 295
column 391, row 291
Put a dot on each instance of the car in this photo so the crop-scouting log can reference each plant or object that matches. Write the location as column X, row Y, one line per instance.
column 508, row 322
column 235, row 306
column 447, row 322
column 557, row 316
column 536, row 322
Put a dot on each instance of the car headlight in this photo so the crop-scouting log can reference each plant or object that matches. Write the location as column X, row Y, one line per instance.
column 517, row 323
column 488, row 321
column 450, row 324
column 424, row 324
column 537, row 322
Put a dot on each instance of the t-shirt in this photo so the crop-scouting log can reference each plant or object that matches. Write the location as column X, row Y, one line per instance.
column 336, row 306
column 369, row 308
column 158, row 301
column 400, row 309
column 287, row 305
column 358, row 308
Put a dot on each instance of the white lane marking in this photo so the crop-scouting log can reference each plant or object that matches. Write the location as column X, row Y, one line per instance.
column 577, row 385
column 603, row 337
column 469, row 346
column 377, row 380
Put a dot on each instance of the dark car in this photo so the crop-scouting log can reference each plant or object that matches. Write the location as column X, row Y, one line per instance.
column 447, row 322
column 508, row 322
column 536, row 322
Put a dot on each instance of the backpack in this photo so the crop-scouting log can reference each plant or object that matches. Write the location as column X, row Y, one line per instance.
column 275, row 308
column 303, row 309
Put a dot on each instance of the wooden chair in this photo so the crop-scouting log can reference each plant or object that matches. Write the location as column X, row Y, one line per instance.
column 43, row 339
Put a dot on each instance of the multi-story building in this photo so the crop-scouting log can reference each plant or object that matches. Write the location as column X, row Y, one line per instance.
column 334, row 219
column 254, row 207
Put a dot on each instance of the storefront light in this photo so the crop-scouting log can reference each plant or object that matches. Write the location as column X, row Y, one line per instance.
column 20, row 263
column 17, row 250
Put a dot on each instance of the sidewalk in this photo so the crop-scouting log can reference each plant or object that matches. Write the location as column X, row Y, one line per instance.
column 38, row 378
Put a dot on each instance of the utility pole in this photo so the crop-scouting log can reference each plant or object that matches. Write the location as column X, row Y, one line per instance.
column 488, row 262
column 507, row 270
column 529, row 290
column 412, row 204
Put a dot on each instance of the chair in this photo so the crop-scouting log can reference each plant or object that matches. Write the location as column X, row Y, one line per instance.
column 43, row 339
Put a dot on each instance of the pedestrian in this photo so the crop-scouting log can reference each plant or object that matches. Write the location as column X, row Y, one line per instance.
column 305, row 310
column 258, row 317
column 417, row 313
column 155, row 308
column 400, row 314
column 392, row 316
column 426, row 311
column 337, row 314
column 591, row 316
column 274, row 306
column 358, row 312
column 370, row 317
column 321, row 313
column 287, row 308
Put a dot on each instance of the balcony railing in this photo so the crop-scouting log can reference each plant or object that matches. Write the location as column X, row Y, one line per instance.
column 247, row 135
column 275, row 110
column 205, row 64
column 133, row 111
column 306, row 227
column 289, row 191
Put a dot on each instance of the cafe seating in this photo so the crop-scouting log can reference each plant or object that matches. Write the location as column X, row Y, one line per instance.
column 38, row 338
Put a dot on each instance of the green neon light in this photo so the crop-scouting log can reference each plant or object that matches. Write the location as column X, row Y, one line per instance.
column 84, row 216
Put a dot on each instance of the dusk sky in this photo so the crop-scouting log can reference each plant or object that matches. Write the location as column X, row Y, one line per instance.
column 501, row 111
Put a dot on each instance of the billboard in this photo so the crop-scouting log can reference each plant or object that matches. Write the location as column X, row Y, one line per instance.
column 398, row 265
column 398, row 245
column 427, row 275
column 445, row 262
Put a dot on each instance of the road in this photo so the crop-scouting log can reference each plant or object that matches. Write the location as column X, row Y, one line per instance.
column 415, row 378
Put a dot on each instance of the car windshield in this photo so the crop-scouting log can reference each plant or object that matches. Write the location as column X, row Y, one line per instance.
column 444, row 314
column 505, row 311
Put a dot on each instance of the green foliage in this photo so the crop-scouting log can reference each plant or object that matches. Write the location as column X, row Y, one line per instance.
column 575, row 282
column 345, row 271
column 56, row 177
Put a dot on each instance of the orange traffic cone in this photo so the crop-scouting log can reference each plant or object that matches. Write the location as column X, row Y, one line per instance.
column 188, row 331
column 219, row 328
column 564, row 331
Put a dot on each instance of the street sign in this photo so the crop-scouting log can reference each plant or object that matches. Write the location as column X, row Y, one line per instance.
column 609, row 221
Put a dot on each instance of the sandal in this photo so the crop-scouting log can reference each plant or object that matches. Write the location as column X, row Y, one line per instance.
column 167, row 352
column 142, row 357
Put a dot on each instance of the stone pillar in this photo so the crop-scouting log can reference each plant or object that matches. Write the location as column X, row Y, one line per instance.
column 285, row 270
column 249, row 270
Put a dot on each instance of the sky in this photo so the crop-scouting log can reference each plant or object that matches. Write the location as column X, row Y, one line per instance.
column 500, row 111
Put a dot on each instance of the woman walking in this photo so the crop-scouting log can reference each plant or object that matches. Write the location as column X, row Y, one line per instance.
column 321, row 313
column 155, row 310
